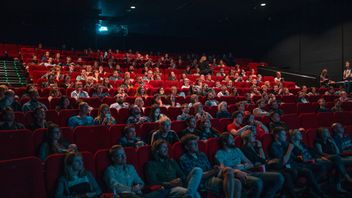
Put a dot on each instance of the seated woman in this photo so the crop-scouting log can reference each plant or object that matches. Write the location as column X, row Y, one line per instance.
column 104, row 117
column 54, row 143
column 206, row 131
column 129, row 138
column 222, row 111
column 141, row 92
column 64, row 103
column 155, row 114
column 135, row 116
column 76, row 181
column 258, row 127
column 54, row 93
column 39, row 121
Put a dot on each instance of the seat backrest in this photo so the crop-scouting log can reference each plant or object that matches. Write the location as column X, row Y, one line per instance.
column 289, row 108
column 91, row 138
column 308, row 120
column 65, row 114
column 213, row 144
column 178, row 126
column 266, row 140
column 123, row 115
column 291, row 120
column 343, row 118
column 144, row 155
column 115, row 133
column 22, row 177
column 325, row 119
column 16, row 143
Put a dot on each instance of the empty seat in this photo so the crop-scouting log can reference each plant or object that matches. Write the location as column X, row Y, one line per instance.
column 289, row 108
column 93, row 102
column 91, row 138
column 291, row 120
column 122, row 116
column 213, row 144
column 178, row 126
column 115, row 133
column 16, row 143
column 289, row 99
column 224, row 122
column 144, row 155
column 146, row 129
column 22, row 178
column 308, row 120
column 173, row 112
column 311, row 135
column 306, row 107
column 325, row 119
column 51, row 115
column 266, row 140
column 343, row 118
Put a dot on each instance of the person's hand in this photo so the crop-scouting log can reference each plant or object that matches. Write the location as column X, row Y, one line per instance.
column 137, row 188
column 324, row 158
column 72, row 148
column 176, row 182
column 291, row 146
column 241, row 175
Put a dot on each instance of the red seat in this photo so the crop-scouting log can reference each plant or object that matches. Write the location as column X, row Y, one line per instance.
column 212, row 110
column 343, row 118
column 115, row 133
column 91, row 138
column 22, row 178
column 173, row 112
column 122, row 115
column 311, row 135
column 325, row 119
column 229, row 99
column 19, row 117
column 144, row 155
column 51, row 115
column 306, row 107
column 93, row 102
column 65, row 114
column 55, row 101
column 347, row 106
column 146, row 129
column 266, row 140
column 308, row 120
column 109, row 100
column 54, row 168
column 224, row 122
column 213, row 144
column 215, row 123
column 289, row 108
column 291, row 120
column 178, row 126
column 16, row 143
column 289, row 99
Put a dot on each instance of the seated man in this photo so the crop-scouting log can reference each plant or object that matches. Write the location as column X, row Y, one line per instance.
column 200, row 113
column 344, row 143
column 214, row 179
column 136, row 117
column 282, row 151
column 8, row 120
column 191, row 127
column 123, row 179
column 164, row 171
column 164, row 132
column 230, row 156
column 211, row 100
column 79, row 92
column 275, row 118
column 82, row 119
column 33, row 103
column 9, row 101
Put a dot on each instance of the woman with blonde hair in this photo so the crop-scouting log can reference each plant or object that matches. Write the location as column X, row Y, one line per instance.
column 104, row 116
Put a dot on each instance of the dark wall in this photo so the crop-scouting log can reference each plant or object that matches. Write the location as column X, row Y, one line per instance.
column 316, row 37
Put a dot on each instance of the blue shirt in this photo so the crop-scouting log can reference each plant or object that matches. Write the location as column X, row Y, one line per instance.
column 75, row 121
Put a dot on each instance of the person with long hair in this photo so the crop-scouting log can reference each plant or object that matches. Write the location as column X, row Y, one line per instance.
column 39, row 121
column 155, row 114
column 76, row 180
column 104, row 116
column 64, row 103
column 54, row 143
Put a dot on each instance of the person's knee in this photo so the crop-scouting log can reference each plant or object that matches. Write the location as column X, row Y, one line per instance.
column 258, row 185
column 237, row 184
column 280, row 179
column 228, row 172
column 197, row 171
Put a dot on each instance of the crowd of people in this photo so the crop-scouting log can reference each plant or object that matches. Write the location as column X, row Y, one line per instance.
column 238, row 170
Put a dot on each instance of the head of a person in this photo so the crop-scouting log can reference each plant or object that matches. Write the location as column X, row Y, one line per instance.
column 185, row 109
column 64, row 102
column 322, row 102
column 160, row 149
column 38, row 114
column 54, row 132
column 104, row 110
column 161, row 91
column 275, row 117
column 249, row 119
column 205, row 124
column 191, row 122
column 73, row 163
column 8, row 115
column 33, row 94
column 323, row 133
column 241, row 106
column 198, row 107
column 279, row 134
column 261, row 103
column 190, row 143
column 211, row 95
column 194, row 98
column 141, row 91
column 9, row 96
column 83, row 108
column 274, row 104
column 79, row 86
column 226, row 140
column 135, row 110
column 222, row 106
column 139, row 102
column 129, row 132
column 117, row 155
column 296, row 135
column 238, row 117
column 337, row 128
column 165, row 124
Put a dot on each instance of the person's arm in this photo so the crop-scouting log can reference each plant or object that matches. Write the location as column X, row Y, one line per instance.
column 61, row 188
column 240, row 131
column 245, row 161
column 334, row 145
column 96, row 191
column 266, row 130
column 288, row 153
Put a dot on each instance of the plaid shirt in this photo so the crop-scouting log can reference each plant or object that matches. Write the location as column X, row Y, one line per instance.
column 188, row 162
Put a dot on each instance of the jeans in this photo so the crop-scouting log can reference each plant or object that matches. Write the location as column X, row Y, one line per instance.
column 193, row 181
column 273, row 182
